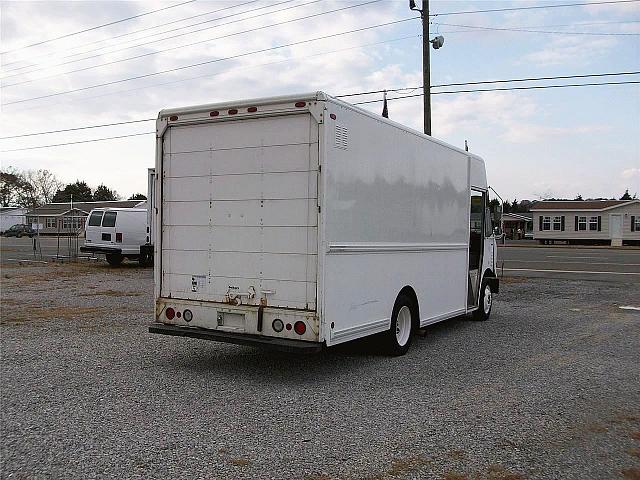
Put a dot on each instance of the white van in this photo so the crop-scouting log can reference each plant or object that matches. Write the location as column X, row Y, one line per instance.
column 302, row 221
column 118, row 233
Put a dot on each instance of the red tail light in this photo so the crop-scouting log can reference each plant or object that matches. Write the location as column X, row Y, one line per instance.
column 300, row 327
column 170, row 313
column 119, row 237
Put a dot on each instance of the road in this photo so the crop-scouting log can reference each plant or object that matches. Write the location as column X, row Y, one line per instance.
column 603, row 264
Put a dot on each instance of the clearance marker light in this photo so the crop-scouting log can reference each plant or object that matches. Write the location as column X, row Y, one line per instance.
column 232, row 111
column 252, row 109
column 300, row 104
column 215, row 113
column 173, row 118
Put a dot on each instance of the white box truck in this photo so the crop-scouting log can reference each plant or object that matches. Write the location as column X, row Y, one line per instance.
column 302, row 221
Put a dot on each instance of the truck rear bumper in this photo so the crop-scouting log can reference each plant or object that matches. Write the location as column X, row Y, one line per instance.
column 272, row 343
column 96, row 249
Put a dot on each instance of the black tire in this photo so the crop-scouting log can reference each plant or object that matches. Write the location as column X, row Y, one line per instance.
column 484, row 311
column 114, row 259
column 391, row 343
column 19, row 235
column 146, row 257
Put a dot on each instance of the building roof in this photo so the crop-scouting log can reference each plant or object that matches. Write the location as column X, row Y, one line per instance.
column 10, row 209
column 519, row 216
column 579, row 204
column 53, row 209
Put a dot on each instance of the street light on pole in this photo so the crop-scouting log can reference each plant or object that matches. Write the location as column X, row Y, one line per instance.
column 436, row 42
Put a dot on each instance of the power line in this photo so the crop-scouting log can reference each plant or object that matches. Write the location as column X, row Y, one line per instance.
column 161, row 33
column 96, row 27
column 532, row 7
column 123, row 35
column 499, row 89
column 305, row 17
column 222, row 72
column 526, row 30
column 79, row 128
column 240, row 55
column 371, row 92
column 74, row 143
column 511, row 80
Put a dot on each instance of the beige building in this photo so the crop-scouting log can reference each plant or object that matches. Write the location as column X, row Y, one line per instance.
column 614, row 222
column 68, row 219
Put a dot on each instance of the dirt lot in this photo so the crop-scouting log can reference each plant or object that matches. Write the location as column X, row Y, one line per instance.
column 549, row 388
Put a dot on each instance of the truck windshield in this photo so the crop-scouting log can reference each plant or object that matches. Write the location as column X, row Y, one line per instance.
column 109, row 219
column 95, row 219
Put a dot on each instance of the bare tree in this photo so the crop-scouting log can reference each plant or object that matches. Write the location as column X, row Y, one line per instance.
column 44, row 183
column 31, row 188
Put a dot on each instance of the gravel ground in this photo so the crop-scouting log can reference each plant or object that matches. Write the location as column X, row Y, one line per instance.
column 549, row 388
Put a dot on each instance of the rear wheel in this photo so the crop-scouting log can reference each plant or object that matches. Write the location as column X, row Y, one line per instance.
column 486, row 302
column 114, row 259
column 398, row 337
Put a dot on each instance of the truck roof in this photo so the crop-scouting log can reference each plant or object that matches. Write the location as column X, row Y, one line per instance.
column 314, row 96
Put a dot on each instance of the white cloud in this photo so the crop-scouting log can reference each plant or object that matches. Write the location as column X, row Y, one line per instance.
column 570, row 51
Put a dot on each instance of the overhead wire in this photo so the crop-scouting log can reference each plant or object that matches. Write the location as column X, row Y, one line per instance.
column 439, row 13
column 532, row 7
column 371, row 92
column 208, row 62
column 95, row 27
column 223, row 72
column 526, row 30
column 271, row 5
column 305, row 17
column 502, row 89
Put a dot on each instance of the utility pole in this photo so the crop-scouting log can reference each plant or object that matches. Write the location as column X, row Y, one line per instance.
column 437, row 42
column 426, row 67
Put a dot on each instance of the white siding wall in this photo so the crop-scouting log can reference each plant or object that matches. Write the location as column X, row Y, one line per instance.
column 570, row 233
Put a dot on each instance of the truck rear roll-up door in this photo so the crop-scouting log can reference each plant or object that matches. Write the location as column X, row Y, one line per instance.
column 239, row 209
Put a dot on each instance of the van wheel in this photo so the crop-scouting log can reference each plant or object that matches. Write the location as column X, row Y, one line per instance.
column 114, row 259
column 486, row 302
column 398, row 337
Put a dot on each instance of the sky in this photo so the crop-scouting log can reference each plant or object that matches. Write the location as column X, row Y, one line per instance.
column 537, row 143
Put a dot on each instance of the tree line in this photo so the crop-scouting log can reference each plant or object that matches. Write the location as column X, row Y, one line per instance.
column 34, row 188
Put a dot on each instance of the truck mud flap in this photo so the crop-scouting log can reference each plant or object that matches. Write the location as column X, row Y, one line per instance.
column 272, row 343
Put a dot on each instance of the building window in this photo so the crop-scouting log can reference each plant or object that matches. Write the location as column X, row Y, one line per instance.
column 582, row 223
column 546, row 223
column 593, row 224
column 557, row 223
column 51, row 222
column 635, row 223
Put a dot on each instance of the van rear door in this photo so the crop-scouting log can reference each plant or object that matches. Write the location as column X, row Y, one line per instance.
column 239, row 211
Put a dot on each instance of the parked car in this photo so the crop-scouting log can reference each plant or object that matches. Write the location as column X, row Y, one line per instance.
column 19, row 230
